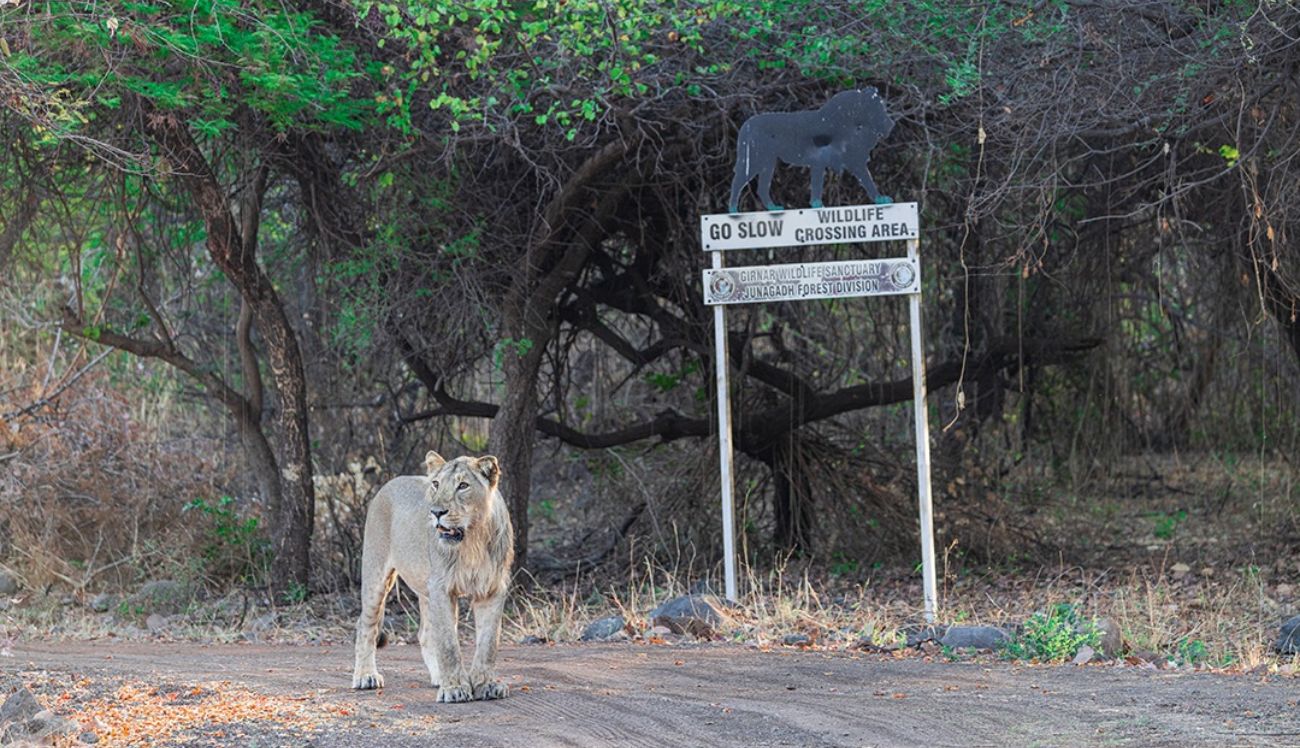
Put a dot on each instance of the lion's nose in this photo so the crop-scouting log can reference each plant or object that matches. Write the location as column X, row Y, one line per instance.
column 437, row 513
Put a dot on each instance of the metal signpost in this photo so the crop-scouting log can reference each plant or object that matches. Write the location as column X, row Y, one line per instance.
column 817, row 280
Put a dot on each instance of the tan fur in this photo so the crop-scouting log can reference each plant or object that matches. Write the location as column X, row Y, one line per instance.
column 402, row 540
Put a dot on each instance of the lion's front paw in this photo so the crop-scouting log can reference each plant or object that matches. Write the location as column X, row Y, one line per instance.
column 489, row 691
column 455, row 690
column 454, row 695
column 367, row 681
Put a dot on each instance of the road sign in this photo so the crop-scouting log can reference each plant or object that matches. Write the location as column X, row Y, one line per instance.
column 811, row 280
column 848, row 224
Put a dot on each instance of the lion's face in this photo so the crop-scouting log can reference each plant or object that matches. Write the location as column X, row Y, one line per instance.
column 864, row 112
column 458, row 494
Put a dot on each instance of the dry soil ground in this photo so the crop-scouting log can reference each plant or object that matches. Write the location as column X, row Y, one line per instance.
column 637, row 695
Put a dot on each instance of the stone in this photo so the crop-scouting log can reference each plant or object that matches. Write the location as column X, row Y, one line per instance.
column 603, row 629
column 1180, row 569
column 8, row 583
column 20, row 706
column 89, row 738
column 162, row 596
column 918, row 635
column 1284, row 591
column 974, row 637
column 264, row 622
column 795, row 640
column 103, row 602
column 1110, row 642
column 155, row 623
column 534, row 639
column 695, row 615
column 37, row 730
column 706, row 608
column 1085, row 655
column 1288, row 641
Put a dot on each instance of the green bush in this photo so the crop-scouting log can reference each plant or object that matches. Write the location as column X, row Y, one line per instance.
column 234, row 549
column 1052, row 636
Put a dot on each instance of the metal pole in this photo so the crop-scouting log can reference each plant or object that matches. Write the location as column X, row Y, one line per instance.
column 724, row 439
column 922, row 442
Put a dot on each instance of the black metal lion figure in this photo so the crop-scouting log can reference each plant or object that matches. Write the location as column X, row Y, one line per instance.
column 839, row 136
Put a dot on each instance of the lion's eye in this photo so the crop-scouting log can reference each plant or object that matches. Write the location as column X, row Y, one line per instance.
column 463, row 485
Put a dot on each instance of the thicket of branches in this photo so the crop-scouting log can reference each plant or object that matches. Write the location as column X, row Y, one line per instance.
column 347, row 222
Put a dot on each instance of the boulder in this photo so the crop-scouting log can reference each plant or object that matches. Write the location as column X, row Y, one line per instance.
column 38, row 730
column 706, row 608
column 1288, row 641
column 603, row 629
column 162, row 596
column 1110, row 643
column 975, row 637
column 8, row 583
column 19, row 707
column 103, row 602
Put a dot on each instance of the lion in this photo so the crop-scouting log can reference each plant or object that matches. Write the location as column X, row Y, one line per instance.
column 447, row 535
column 839, row 136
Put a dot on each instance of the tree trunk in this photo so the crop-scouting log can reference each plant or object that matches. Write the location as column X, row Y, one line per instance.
column 510, row 436
column 291, row 526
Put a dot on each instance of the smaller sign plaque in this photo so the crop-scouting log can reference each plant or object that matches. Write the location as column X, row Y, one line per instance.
column 811, row 280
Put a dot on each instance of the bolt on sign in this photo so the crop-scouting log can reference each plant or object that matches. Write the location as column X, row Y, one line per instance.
column 838, row 137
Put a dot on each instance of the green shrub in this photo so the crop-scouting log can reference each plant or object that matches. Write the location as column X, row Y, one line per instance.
column 1052, row 636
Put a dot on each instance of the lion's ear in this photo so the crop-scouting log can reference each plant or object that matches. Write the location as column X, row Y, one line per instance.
column 490, row 469
column 432, row 462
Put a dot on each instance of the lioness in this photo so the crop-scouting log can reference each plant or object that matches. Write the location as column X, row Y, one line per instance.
column 447, row 535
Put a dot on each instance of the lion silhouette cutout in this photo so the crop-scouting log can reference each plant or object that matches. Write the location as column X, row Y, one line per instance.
column 839, row 136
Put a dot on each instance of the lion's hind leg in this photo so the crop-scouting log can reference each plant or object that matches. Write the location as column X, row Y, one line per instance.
column 374, row 589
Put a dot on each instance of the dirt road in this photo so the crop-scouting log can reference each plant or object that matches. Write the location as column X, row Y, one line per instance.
column 630, row 695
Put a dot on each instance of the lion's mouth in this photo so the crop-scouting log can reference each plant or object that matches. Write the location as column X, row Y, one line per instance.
column 451, row 534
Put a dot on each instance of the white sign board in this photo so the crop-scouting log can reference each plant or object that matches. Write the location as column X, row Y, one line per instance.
column 811, row 280
column 849, row 224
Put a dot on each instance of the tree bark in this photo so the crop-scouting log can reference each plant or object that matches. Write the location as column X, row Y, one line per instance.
column 291, row 526
column 569, row 229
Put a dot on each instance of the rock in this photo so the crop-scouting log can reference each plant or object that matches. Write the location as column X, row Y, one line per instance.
column 660, row 631
column 974, row 637
column 1284, row 591
column 1110, row 642
column 695, row 615
column 918, row 635
column 89, row 738
column 264, row 622
column 155, row 623
column 1085, row 655
column 706, row 608
column 103, row 602
column 43, row 725
column 162, row 596
column 534, row 639
column 1180, row 569
column 1288, row 642
column 795, row 640
column 603, row 629
column 20, row 706
column 8, row 583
